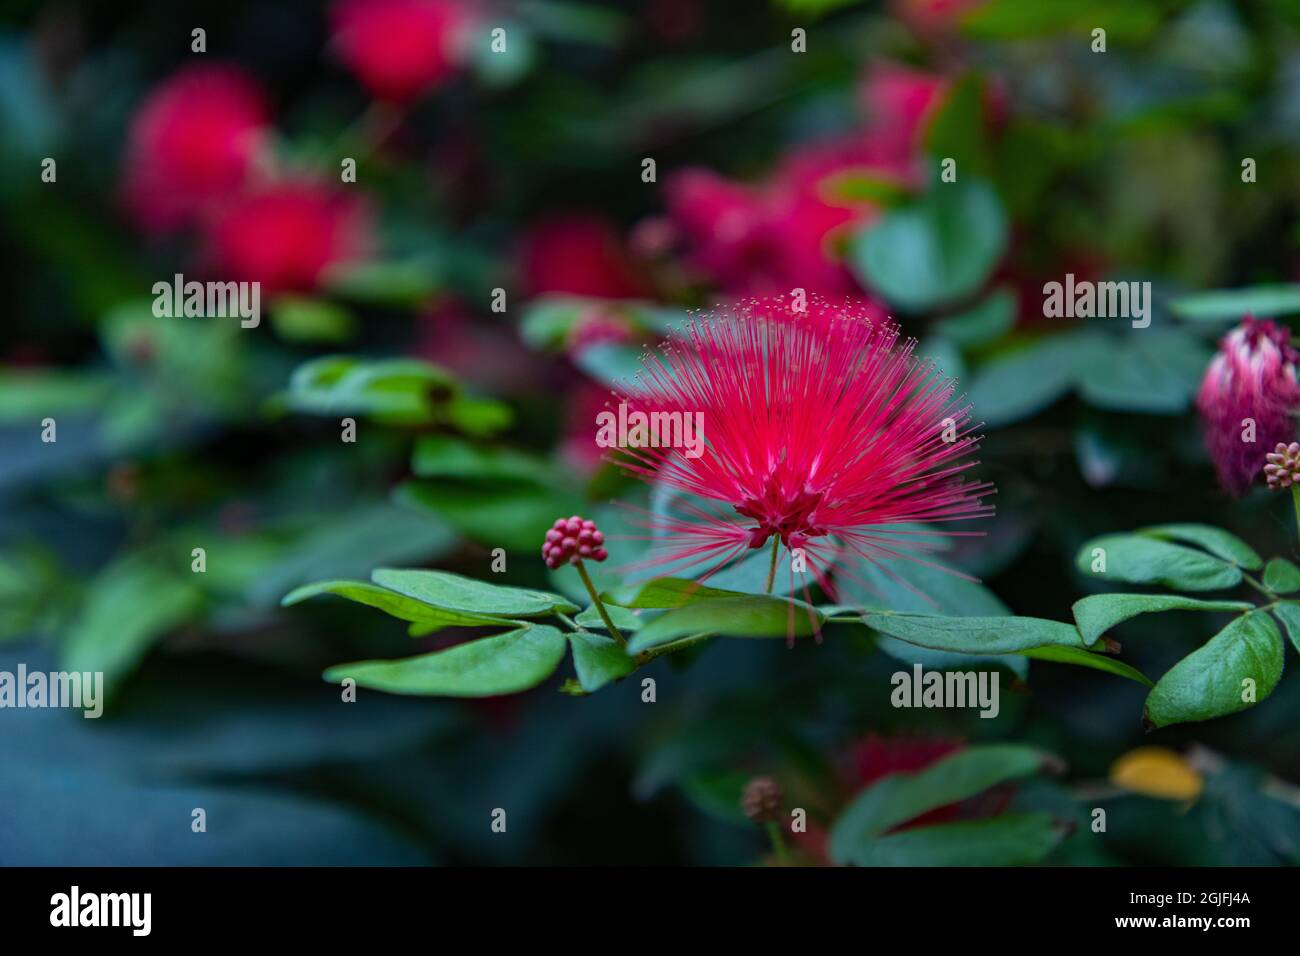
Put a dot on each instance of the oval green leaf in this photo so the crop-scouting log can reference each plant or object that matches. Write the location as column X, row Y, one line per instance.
column 1098, row 613
column 1011, row 840
column 900, row 797
column 1218, row 542
column 598, row 660
column 1144, row 560
column 1209, row 682
column 504, row 664
column 397, row 605
column 749, row 615
column 454, row 592
column 975, row 635
column 1281, row 576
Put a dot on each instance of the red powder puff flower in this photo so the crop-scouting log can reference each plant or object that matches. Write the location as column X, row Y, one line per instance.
column 286, row 235
column 1247, row 398
column 820, row 431
column 398, row 49
column 191, row 144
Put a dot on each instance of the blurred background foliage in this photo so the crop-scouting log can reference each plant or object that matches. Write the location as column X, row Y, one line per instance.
column 522, row 171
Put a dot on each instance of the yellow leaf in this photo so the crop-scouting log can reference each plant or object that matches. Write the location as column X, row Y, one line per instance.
column 1156, row 772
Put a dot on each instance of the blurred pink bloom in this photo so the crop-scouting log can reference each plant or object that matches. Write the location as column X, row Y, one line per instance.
column 900, row 104
column 192, row 144
column 399, row 49
column 578, row 254
column 934, row 14
column 287, row 234
column 818, row 425
column 486, row 352
column 779, row 235
column 578, row 439
column 597, row 326
column 1252, row 379
column 787, row 231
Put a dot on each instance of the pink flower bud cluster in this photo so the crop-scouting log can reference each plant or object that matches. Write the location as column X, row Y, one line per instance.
column 571, row 540
column 1283, row 468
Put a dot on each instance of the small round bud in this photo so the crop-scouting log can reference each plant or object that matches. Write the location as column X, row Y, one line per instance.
column 762, row 800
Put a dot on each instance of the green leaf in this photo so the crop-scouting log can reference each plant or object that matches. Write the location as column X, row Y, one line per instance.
column 1076, row 655
column 937, row 250
column 454, row 592
column 665, row 593
column 611, row 363
column 1281, row 576
column 1208, row 682
column 398, row 284
column 1229, row 305
column 623, row 619
column 394, row 604
column 599, row 660
column 129, row 607
column 926, row 589
column 507, row 514
column 749, row 615
column 28, row 396
column 338, row 544
column 1098, row 613
column 1018, row 383
column 1008, row 19
column 1214, row 540
column 957, row 130
column 987, row 321
column 1288, row 612
column 1011, row 840
column 975, row 635
column 1144, row 560
column 445, row 456
column 396, row 391
column 1155, row 372
column 301, row 319
column 503, row 664
column 848, row 187
column 899, row 797
column 477, row 416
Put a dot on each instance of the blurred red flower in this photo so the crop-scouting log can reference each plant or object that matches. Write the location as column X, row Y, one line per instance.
column 191, row 144
column 934, row 14
column 900, row 104
column 578, row 254
column 785, row 232
column 399, row 49
column 287, row 234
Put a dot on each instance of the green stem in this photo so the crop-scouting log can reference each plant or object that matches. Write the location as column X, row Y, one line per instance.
column 573, row 625
column 771, row 568
column 598, row 604
column 1295, row 500
column 1257, row 586
column 778, row 843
